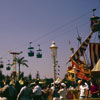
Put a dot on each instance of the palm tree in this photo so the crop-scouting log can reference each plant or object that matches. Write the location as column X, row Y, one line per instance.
column 21, row 61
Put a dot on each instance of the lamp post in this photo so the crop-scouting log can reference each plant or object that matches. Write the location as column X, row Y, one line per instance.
column 53, row 49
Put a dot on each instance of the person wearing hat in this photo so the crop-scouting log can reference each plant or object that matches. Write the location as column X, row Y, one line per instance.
column 62, row 91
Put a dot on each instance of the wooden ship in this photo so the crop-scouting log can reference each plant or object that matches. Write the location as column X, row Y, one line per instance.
column 79, row 69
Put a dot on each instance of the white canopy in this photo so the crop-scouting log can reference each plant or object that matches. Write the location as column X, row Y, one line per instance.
column 96, row 67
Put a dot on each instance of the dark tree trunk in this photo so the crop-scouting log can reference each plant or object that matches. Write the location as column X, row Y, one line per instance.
column 19, row 72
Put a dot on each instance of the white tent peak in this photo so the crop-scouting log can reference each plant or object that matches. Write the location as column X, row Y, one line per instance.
column 97, row 66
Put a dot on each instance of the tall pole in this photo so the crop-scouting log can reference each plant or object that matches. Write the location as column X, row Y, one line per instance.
column 14, row 61
column 54, row 67
column 53, row 48
column 14, row 57
column 75, row 73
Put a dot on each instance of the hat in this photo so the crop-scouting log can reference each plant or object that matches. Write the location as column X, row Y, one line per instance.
column 79, row 81
column 63, row 84
column 57, row 82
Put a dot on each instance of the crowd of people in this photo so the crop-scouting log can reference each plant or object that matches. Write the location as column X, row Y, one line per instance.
column 56, row 91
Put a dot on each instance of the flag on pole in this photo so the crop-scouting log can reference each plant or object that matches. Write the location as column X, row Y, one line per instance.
column 82, row 75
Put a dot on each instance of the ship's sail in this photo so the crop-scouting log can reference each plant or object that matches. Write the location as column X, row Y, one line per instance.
column 81, row 49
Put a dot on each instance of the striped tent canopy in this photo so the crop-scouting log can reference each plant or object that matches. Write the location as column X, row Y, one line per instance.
column 94, row 53
column 81, row 49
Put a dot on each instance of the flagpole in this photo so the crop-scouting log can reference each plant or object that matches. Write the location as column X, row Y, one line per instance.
column 84, row 57
column 75, row 73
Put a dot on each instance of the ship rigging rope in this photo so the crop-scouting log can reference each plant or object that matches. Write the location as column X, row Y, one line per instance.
column 58, row 28
column 62, row 26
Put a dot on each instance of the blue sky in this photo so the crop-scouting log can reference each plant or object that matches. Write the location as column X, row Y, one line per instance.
column 43, row 21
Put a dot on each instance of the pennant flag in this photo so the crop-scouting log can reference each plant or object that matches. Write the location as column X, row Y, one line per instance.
column 74, row 64
column 82, row 75
column 94, row 53
column 79, row 70
column 81, row 49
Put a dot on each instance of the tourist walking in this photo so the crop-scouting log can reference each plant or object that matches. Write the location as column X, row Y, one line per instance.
column 37, row 91
column 94, row 89
column 62, row 92
column 10, row 91
column 25, row 92
column 83, row 88
column 3, row 93
column 55, row 93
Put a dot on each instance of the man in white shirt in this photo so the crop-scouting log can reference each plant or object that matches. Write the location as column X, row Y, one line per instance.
column 37, row 91
column 83, row 90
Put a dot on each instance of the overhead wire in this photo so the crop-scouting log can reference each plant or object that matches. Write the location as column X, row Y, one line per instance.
column 68, row 31
column 58, row 28
column 62, row 26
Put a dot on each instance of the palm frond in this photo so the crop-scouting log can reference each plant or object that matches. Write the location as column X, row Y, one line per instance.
column 25, row 64
column 22, row 61
column 25, row 60
column 22, row 58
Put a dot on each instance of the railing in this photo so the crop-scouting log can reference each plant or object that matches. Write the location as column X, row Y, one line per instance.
column 86, row 99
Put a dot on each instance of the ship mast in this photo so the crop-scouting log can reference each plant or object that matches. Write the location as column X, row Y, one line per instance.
column 79, row 38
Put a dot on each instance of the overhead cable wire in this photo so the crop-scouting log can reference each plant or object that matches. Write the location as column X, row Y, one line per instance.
column 60, row 27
